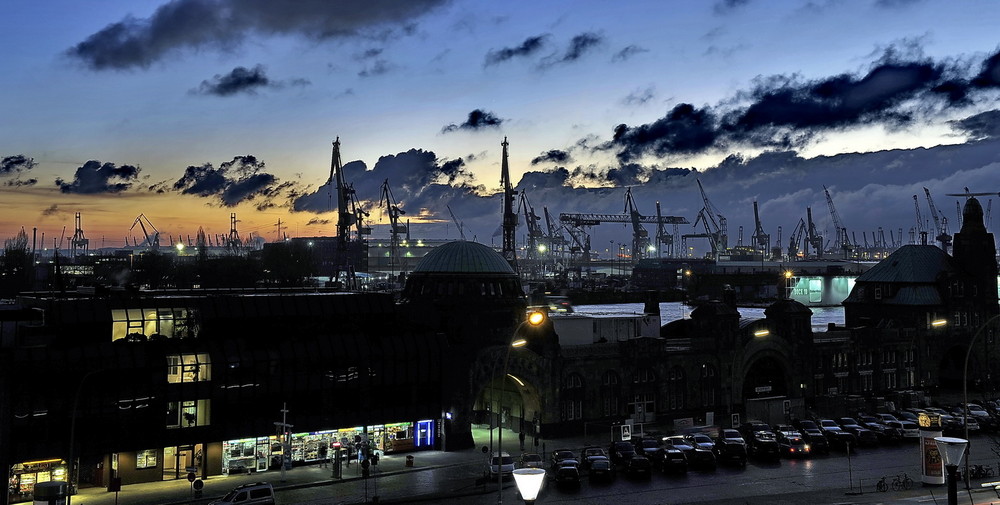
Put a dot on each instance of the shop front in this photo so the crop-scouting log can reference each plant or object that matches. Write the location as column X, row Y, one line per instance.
column 24, row 476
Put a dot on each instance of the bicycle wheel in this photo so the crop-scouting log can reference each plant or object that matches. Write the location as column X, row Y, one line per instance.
column 907, row 483
column 897, row 485
column 881, row 486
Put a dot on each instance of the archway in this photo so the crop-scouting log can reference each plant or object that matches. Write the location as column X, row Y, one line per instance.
column 766, row 377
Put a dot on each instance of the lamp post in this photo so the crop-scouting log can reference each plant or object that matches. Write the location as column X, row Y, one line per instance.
column 965, row 387
column 951, row 450
column 535, row 318
column 529, row 482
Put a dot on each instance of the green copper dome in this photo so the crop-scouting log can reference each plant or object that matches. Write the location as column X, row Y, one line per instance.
column 463, row 257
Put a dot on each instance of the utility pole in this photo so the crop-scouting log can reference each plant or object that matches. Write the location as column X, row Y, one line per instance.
column 286, row 440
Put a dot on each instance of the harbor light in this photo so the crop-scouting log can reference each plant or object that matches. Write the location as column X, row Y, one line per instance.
column 180, row 247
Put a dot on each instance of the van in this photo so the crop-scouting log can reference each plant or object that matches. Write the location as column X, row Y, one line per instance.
column 500, row 464
column 258, row 493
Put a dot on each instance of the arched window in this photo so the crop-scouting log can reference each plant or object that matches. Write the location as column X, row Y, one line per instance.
column 611, row 394
column 572, row 397
column 643, row 398
column 708, row 385
column 676, row 388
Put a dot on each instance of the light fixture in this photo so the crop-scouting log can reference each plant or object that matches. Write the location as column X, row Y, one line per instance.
column 952, row 449
column 536, row 318
column 939, row 322
column 762, row 333
column 529, row 482
column 519, row 343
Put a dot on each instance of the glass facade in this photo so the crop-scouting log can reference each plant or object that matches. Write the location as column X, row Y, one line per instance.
column 168, row 322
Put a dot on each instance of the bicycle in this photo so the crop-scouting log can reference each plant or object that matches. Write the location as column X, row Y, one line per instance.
column 900, row 483
column 981, row 471
column 881, row 486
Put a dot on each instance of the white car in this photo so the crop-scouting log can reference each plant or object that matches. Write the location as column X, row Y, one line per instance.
column 501, row 464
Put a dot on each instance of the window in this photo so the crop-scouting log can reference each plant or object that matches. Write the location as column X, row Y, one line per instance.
column 643, row 375
column 572, row 397
column 188, row 413
column 168, row 322
column 145, row 459
column 642, row 403
column 709, row 385
column 188, row 368
column 676, row 389
column 611, row 401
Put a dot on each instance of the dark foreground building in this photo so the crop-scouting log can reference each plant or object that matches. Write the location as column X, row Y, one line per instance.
column 146, row 386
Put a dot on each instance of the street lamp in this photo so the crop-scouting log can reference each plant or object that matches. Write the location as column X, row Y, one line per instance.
column 529, row 482
column 965, row 385
column 758, row 333
column 952, row 449
column 535, row 318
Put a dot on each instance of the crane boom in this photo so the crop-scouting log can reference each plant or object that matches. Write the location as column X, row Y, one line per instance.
column 640, row 237
column 715, row 223
column 761, row 240
column 843, row 242
column 940, row 223
column 392, row 208
column 461, row 230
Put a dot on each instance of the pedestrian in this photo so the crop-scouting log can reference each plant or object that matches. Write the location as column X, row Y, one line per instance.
column 322, row 455
column 350, row 451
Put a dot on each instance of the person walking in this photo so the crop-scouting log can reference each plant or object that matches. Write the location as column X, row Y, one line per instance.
column 323, row 461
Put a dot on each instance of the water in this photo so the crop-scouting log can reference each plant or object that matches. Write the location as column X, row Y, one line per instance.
column 670, row 311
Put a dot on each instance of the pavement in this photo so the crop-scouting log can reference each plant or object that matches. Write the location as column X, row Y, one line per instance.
column 178, row 492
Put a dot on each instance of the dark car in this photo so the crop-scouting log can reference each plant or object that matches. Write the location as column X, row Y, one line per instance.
column 863, row 436
column 567, row 475
column 532, row 460
column 697, row 457
column 701, row 440
column 836, row 435
column 731, row 450
column 621, row 452
column 764, row 445
column 639, row 466
column 559, row 456
column 601, row 469
column 792, row 444
column 747, row 429
column 651, row 448
column 674, row 461
column 886, row 434
column 811, row 433
column 589, row 454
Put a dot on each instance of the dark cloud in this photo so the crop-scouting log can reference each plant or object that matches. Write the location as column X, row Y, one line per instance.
column 234, row 182
column 17, row 183
column 368, row 54
column 530, row 46
column 377, row 67
column 640, row 96
column 578, row 46
column 95, row 177
column 239, row 80
column 727, row 6
column 984, row 125
column 478, row 119
column 684, row 130
column 190, row 25
column 318, row 222
column 989, row 73
column 551, row 156
column 16, row 164
column 51, row 210
column 628, row 52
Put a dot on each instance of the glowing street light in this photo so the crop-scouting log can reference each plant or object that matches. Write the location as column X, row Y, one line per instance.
column 529, row 482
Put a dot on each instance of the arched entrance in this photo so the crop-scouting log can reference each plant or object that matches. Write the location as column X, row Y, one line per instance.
column 766, row 377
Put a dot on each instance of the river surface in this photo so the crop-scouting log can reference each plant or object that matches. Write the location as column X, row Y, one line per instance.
column 670, row 311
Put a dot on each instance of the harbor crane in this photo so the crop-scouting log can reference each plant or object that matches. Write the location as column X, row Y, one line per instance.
column 940, row 223
column 920, row 233
column 461, row 227
column 576, row 223
column 761, row 241
column 664, row 239
column 813, row 238
column 640, row 237
column 395, row 229
column 350, row 254
column 714, row 222
column 79, row 241
column 795, row 239
column 843, row 241
column 509, row 223
column 152, row 240
column 557, row 242
column 535, row 234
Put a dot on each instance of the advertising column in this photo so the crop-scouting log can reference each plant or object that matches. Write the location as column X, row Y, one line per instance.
column 931, row 465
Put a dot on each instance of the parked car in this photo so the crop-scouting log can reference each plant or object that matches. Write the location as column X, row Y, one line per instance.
column 885, row 433
column 813, row 434
column 650, row 448
column 700, row 440
column 601, row 469
column 697, row 457
column 764, row 445
column 835, row 435
column 561, row 455
column 591, row 453
column 792, row 444
column 621, row 452
column 501, row 464
column 567, row 476
column 731, row 435
column 731, row 450
column 862, row 436
column 674, row 461
column 639, row 466
column 747, row 429
column 909, row 430
column 258, row 493
column 532, row 460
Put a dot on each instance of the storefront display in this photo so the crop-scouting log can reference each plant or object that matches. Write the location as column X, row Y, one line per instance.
column 24, row 476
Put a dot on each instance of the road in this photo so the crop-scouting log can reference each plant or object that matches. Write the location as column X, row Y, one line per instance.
column 833, row 479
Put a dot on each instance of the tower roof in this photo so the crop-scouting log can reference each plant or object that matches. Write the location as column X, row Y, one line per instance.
column 910, row 264
column 463, row 257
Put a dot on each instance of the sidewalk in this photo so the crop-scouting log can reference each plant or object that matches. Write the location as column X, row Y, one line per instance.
column 177, row 492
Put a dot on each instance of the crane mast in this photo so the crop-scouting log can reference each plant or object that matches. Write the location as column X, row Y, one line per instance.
column 395, row 229
column 535, row 234
column 509, row 217
column 843, row 241
column 461, row 230
column 921, row 234
column 940, row 223
column 715, row 223
column 761, row 240
column 640, row 237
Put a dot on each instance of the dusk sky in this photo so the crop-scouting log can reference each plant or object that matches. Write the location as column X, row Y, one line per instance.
column 189, row 110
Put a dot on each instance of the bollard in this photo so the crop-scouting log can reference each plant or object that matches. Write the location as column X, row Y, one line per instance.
column 409, row 460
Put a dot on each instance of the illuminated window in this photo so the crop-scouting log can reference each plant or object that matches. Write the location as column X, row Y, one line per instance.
column 145, row 459
column 188, row 368
column 188, row 413
column 168, row 322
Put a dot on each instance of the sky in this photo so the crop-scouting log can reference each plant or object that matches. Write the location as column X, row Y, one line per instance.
column 187, row 111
